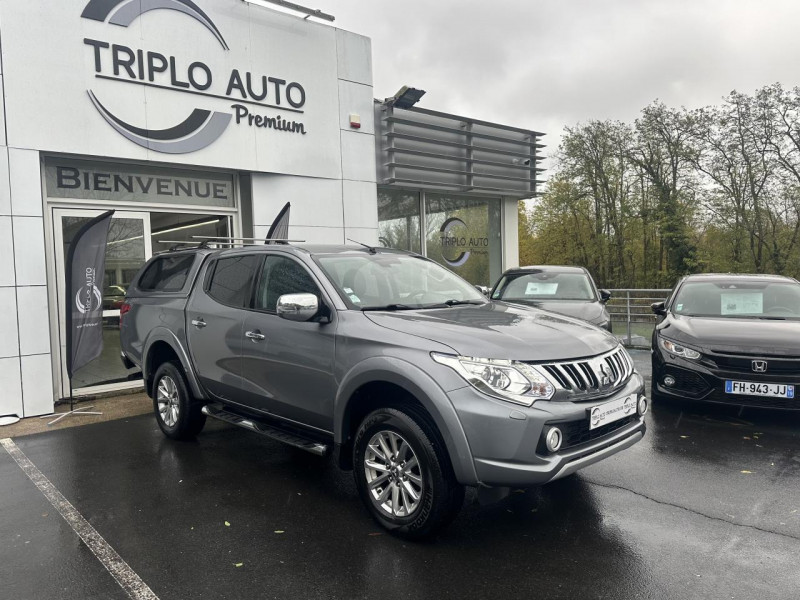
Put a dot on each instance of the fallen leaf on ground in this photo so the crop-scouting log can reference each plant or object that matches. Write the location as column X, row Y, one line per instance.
column 227, row 524
column 238, row 564
column 279, row 531
column 746, row 472
column 683, row 437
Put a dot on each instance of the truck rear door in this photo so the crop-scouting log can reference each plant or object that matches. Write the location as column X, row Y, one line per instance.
column 215, row 316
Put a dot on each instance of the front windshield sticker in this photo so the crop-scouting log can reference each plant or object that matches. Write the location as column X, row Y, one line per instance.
column 679, row 307
column 536, row 288
column 742, row 303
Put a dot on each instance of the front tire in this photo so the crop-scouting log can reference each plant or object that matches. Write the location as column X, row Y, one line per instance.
column 403, row 473
column 177, row 415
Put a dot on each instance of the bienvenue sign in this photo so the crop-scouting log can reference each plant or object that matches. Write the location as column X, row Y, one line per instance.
column 86, row 180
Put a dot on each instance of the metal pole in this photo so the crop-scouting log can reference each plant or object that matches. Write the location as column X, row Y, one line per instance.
column 628, row 303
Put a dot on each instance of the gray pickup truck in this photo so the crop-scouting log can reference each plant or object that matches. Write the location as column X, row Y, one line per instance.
column 407, row 373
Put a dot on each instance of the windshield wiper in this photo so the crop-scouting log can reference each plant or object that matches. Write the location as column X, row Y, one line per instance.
column 459, row 302
column 390, row 307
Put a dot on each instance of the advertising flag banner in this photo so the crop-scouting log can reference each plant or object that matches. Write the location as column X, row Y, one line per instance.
column 279, row 230
column 85, row 269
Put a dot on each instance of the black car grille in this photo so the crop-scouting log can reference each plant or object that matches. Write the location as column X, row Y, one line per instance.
column 577, row 432
column 686, row 382
column 743, row 363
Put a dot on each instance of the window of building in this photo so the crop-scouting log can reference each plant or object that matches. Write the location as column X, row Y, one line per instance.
column 232, row 280
column 465, row 235
column 461, row 233
column 398, row 219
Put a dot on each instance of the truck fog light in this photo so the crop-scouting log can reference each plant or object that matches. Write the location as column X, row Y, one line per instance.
column 669, row 381
column 553, row 439
column 642, row 406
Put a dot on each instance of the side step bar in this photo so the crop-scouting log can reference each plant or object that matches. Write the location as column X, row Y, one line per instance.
column 293, row 439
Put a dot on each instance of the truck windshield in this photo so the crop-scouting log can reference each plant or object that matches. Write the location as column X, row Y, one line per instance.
column 385, row 281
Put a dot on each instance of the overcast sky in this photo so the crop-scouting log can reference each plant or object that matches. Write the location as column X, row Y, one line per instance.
column 544, row 64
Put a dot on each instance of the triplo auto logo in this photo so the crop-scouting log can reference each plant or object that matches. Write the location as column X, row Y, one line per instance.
column 148, row 68
column 462, row 244
column 88, row 298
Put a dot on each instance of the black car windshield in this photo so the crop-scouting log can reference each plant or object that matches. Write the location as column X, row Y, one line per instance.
column 394, row 281
column 733, row 298
column 542, row 286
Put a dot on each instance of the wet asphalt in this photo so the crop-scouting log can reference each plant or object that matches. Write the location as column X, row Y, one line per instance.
column 706, row 506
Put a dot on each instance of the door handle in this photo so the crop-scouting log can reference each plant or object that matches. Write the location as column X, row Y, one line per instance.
column 256, row 335
column 199, row 323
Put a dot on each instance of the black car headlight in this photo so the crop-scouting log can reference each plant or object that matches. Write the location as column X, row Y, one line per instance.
column 504, row 379
column 678, row 349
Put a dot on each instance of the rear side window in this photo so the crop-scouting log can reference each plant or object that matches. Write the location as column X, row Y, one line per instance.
column 166, row 274
column 232, row 280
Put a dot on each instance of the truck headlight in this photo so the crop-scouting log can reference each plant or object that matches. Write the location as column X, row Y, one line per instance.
column 678, row 349
column 504, row 379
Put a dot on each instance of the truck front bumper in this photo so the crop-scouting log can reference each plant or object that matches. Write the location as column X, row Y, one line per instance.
column 507, row 441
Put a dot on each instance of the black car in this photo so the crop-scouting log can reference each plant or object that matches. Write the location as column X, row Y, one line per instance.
column 569, row 291
column 732, row 339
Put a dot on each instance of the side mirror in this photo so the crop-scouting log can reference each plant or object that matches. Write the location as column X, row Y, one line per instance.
column 659, row 308
column 297, row 307
column 483, row 289
column 605, row 296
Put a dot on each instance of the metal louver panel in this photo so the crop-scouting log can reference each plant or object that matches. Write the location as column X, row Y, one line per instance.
column 443, row 152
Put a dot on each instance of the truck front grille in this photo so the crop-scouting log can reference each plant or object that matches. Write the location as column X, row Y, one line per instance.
column 592, row 376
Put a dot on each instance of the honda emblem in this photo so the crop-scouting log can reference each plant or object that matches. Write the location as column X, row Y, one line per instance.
column 759, row 366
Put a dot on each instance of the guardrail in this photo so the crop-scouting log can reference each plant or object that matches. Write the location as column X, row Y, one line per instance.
column 632, row 320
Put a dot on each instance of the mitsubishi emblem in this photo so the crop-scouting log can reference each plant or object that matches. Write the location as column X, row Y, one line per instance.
column 759, row 366
column 606, row 380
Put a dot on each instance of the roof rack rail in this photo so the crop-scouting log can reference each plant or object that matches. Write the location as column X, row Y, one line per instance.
column 246, row 239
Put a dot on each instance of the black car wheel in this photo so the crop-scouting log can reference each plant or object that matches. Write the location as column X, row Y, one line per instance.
column 178, row 416
column 403, row 473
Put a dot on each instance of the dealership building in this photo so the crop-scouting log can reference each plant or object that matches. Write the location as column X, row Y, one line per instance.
column 203, row 117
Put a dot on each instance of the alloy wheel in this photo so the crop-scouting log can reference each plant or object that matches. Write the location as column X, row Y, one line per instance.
column 168, row 401
column 394, row 475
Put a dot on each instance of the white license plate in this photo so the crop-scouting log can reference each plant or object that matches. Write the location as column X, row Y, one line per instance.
column 750, row 388
column 603, row 414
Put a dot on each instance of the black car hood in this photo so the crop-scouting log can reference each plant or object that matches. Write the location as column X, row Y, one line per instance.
column 499, row 330
column 760, row 336
column 594, row 312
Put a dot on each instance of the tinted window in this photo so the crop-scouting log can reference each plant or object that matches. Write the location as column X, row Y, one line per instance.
column 166, row 274
column 282, row 276
column 232, row 280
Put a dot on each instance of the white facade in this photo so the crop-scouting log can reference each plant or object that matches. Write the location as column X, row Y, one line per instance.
column 93, row 80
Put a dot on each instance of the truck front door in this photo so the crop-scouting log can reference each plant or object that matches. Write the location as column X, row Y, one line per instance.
column 287, row 366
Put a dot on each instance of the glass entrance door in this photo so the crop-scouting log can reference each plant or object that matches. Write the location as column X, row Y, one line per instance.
column 129, row 247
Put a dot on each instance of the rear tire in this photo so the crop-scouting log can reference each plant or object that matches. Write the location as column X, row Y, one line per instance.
column 403, row 473
column 178, row 416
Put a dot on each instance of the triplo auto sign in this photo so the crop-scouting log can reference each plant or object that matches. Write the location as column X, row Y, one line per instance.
column 248, row 93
